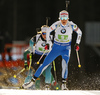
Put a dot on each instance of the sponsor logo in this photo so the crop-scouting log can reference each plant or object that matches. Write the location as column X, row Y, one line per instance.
column 79, row 37
column 75, row 28
column 43, row 44
column 62, row 37
column 63, row 31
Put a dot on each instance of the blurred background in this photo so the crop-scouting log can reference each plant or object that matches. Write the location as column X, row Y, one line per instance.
column 19, row 20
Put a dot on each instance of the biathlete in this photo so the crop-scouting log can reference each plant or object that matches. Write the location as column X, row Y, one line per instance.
column 62, row 46
column 36, row 49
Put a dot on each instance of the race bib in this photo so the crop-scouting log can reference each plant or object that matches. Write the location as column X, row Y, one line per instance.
column 62, row 37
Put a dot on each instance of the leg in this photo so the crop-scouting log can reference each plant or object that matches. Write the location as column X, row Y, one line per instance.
column 47, row 77
column 50, row 57
column 26, row 57
column 64, row 69
column 29, row 76
column 65, row 60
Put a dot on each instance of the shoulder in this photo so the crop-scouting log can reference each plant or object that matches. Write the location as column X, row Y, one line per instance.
column 56, row 23
column 74, row 26
column 38, row 36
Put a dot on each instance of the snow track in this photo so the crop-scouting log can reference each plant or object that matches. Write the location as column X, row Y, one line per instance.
column 48, row 92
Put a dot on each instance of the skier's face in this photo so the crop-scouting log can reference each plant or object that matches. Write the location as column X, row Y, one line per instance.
column 44, row 35
column 64, row 22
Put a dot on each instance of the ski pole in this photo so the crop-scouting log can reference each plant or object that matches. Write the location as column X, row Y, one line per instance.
column 19, row 73
column 31, row 58
column 30, row 54
column 79, row 65
column 54, row 71
column 30, row 61
column 67, row 3
column 47, row 19
column 41, row 57
column 24, row 68
column 56, row 83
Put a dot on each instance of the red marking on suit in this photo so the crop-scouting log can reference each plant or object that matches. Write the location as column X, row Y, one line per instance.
column 64, row 14
column 51, row 28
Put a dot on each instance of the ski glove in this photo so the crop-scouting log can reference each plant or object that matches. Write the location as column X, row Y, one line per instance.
column 46, row 46
column 77, row 47
column 26, row 66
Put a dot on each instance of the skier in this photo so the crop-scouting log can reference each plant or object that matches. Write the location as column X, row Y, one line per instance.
column 40, row 42
column 62, row 46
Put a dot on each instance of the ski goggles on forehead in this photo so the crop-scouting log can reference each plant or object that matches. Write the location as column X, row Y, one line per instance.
column 44, row 33
column 64, row 18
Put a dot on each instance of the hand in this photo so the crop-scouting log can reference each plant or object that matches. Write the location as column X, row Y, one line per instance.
column 77, row 47
column 46, row 46
column 26, row 66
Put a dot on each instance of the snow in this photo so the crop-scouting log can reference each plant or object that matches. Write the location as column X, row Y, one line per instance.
column 48, row 92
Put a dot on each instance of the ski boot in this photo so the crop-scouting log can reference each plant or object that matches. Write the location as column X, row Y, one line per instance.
column 28, row 84
column 63, row 86
column 47, row 87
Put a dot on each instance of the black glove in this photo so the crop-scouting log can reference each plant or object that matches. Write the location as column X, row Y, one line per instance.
column 77, row 47
column 26, row 66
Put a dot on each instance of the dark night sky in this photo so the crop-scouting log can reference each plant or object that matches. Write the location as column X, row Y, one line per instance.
column 22, row 17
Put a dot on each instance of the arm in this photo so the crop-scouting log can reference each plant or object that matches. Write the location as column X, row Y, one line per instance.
column 32, row 43
column 79, row 35
column 78, row 31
